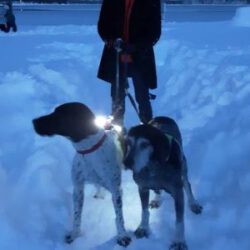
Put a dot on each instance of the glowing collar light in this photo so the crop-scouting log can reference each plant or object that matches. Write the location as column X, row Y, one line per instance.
column 105, row 122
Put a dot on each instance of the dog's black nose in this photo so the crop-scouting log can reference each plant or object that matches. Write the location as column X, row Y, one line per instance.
column 36, row 125
column 43, row 126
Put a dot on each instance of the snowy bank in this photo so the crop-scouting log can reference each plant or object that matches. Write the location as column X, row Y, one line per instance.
column 204, row 76
column 242, row 17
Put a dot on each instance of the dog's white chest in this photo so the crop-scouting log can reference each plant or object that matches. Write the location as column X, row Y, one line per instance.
column 102, row 166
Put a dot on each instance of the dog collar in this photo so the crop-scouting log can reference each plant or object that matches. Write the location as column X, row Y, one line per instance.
column 94, row 147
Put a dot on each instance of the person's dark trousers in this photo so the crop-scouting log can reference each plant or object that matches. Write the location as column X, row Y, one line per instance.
column 141, row 96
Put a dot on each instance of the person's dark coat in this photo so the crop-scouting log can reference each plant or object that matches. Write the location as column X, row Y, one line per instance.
column 145, row 31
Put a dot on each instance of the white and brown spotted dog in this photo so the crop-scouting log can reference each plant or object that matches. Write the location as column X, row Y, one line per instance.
column 155, row 155
column 97, row 159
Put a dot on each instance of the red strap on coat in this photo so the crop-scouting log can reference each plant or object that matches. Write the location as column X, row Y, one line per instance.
column 93, row 148
column 128, row 8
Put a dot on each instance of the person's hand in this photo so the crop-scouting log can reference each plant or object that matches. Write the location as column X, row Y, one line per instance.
column 118, row 44
column 127, row 48
column 109, row 43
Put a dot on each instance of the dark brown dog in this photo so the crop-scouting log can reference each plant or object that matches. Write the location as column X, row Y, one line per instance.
column 155, row 155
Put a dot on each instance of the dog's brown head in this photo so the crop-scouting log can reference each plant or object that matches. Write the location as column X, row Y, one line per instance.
column 74, row 120
column 145, row 143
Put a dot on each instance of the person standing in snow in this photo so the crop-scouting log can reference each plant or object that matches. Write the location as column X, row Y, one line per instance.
column 138, row 24
column 9, row 19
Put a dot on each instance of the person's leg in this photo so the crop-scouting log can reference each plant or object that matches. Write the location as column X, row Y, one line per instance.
column 142, row 97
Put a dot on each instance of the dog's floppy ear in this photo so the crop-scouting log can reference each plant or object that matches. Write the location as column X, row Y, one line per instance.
column 160, row 143
column 175, row 157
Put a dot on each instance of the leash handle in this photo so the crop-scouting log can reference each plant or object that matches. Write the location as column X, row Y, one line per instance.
column 118, row 44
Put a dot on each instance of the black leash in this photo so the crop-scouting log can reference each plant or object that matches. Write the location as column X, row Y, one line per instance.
column 132, row 100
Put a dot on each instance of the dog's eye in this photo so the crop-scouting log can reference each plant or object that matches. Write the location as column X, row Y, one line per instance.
column 144, row 145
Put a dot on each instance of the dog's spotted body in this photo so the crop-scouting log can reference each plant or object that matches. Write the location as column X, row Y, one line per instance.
column 97, row 160
column 155, row 155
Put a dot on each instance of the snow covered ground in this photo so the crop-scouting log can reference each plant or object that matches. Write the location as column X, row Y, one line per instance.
column 204, row 83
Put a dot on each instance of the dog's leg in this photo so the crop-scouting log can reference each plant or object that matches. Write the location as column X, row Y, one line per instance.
column 179, row 241
column 194, row 206
column 143, row 229
column 78, row 197
column 123, row 239
column 156, row 201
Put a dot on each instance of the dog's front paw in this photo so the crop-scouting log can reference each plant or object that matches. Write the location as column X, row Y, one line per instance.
column 70, row 237
column 141, row 233
column 195, row 207
column 178, row 246
column 123, row 240
column 155, row 204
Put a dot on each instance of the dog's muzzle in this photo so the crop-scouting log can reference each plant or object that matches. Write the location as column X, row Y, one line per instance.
column 43, row 126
